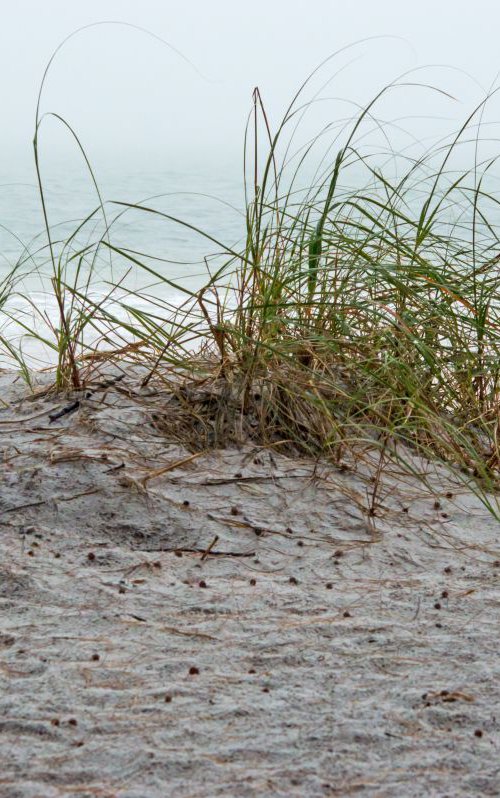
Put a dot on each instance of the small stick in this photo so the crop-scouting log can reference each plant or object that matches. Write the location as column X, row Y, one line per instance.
column 65, row 411
column 114, row 468
column 170, row 467
column 207, row 551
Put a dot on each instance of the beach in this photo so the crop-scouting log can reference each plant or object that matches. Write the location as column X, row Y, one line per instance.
column 233, row 622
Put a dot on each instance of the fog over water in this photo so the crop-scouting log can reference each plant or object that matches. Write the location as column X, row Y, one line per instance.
column 143, row 111
column 168, row 117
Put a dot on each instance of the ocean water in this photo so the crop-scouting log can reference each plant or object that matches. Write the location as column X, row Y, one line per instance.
column 211, row 199
column 176, row 255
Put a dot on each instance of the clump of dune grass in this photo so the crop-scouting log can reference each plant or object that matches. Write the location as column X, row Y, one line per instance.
column 349, row 318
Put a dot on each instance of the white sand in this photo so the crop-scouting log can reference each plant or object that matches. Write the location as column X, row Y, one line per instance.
column 362, row 660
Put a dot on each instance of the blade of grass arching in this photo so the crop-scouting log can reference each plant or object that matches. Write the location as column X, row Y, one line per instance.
column 57, row 271
column 290, row 109
column 125, row 254
column 182, row 223
column 425, row 221
column 151, row 326
column 16, row 354
column 38, row 121
column 29, row 329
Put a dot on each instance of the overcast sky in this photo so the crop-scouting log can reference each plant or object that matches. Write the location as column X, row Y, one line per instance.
column 131, row 98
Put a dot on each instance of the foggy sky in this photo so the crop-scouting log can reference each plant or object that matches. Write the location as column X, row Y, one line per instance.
column 132, row 99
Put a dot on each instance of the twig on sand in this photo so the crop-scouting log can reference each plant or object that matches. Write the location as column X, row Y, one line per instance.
column 101, row 386
column 209, row 548
column 65, row 411
column 171, row 467
column 203, row 551
column 52, row 499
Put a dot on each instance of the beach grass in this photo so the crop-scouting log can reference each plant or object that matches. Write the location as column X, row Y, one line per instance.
column 355, row 316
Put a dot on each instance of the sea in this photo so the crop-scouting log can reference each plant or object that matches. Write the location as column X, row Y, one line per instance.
column 207, row 204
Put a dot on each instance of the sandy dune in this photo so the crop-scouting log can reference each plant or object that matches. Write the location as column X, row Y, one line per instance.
column 235, row 625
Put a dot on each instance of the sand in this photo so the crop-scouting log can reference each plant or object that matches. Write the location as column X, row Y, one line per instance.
column 236, row 625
